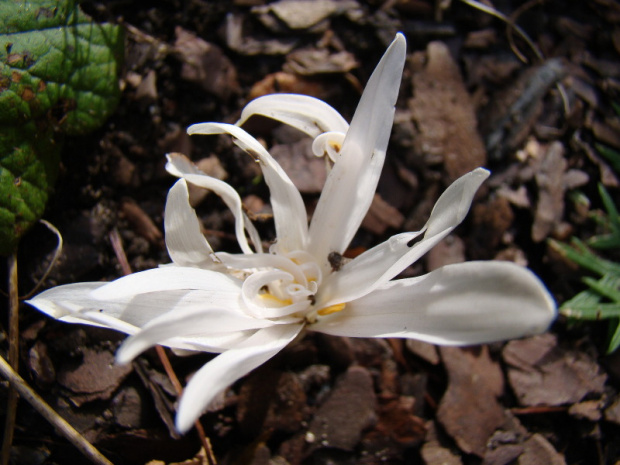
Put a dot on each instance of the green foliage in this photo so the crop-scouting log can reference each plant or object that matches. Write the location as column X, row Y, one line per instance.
column 601, row 301
column 58, row 75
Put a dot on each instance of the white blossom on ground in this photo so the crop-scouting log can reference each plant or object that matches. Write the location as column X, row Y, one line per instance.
column 248, row 306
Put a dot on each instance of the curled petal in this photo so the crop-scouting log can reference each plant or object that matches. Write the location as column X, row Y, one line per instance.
column 180, row 166
column 308, row 114
column 351, row 184
column 289, row 210
column 268, row 305
column 383, row 262
column 461, row 304
column 328, row 143
column 228, row 367
column 186, row 245
column 263, row 261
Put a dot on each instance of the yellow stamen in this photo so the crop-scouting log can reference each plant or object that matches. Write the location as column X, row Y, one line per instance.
column 331, row 309
column 273, row 299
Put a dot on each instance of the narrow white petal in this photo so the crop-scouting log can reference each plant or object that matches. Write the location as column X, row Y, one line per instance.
column 63, row 302
column 186, row 244
column 466, row 303
column 133, row 302
column 228, row 367
column 189, row 320
column 383, row 262
column 180, row 166
column 308, row 114
column 352, row 182
column 168, row 278
column 289, row 210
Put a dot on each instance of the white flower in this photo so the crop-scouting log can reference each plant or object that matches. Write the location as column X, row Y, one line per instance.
column 249, row 306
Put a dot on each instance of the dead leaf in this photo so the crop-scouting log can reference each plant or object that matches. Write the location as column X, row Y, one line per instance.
column 205, row 64
column 246, row 45
column 303, row 14
column 538, row 451
column 311, row 61
column 444, row 114
column 423, row 350
column 450, row 250
column 612, row 413
column 469, row 410
column 551, row 187
column 381, row 216
column 435, row 451
column 541, row 373
column 288, row 83
column 307, row 171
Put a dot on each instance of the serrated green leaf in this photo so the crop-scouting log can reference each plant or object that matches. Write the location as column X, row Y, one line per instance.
column 58, row 75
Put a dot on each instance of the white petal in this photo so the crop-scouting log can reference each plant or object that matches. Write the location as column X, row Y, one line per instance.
column 185, row 242
column 383, row 262
column 228, row 367
column 308, row 114
column 289, row 211
column 189, row 320
column 169, row 278
column 63, row 302
column 466, row 303
column 352, row 182
column 180, row 166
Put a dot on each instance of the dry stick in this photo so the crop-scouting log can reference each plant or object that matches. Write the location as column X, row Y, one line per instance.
column 11, row 408
column 206, row 443
column 119, row 251
column 57, row 252
column 50, row 415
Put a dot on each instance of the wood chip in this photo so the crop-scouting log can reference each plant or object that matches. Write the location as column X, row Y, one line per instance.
column 542, row 373
column 349, row 409
column 96, row 377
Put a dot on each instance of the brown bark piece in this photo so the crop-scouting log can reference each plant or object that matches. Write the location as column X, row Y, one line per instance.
column 205, row 64
column 423, row 350
column 469, row 410
column 381, row 216
column 538, row 451
column 541, row 373
column 449, row 251
column 550, row 181
column 435, row 451
column 349, row 410
column 97, row 377
column 444, row 114
column 306, row 170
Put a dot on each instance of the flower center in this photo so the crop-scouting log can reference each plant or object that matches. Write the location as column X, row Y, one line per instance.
column 280, row 285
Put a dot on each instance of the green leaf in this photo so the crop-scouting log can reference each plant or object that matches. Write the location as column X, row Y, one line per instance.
column 58, row 75
column 580, row 254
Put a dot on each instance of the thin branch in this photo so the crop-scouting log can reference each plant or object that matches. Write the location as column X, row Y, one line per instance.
column 206, row 443
column 11, row 408
column 50, row 415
